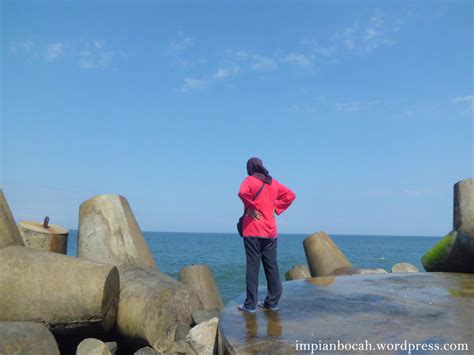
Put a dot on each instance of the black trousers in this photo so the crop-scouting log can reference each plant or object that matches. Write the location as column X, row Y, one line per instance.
column 264, row 249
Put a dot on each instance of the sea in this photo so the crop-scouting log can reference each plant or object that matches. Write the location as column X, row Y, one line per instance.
column 224, row 253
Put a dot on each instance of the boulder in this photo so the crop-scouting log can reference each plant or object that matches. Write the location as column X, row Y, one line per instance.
column 44, row 236
column 151, row 306
column 203, row 337
column 201, row 280
column 358, row 271
column 404, row 267
column 108, row 232
column 27, row 338
column 64, row 292
column 298, row 272
column 91, row 346
column 203, row 315
column 183, row 347
column 323, row 256
column 113, row 346
column 9, row 233
column 146, row 351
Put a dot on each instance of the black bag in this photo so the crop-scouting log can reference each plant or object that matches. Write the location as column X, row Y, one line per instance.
column 241, row 219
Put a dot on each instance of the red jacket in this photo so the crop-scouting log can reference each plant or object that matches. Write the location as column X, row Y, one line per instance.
column 275, row 197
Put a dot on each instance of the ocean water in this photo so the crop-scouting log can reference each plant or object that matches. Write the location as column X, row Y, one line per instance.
column 224, row 253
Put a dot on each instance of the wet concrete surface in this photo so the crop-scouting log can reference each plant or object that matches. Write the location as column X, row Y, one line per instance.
column 380, row 308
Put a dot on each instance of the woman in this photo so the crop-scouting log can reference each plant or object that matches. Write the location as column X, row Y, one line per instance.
column 263, row 197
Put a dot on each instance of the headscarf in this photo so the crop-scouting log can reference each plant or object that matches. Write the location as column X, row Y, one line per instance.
column 256, row 169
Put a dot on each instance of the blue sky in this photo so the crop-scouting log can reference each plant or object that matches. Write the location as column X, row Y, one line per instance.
column 364, row 109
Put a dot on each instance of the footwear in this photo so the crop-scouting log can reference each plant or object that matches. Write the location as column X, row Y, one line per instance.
column 262, row 304
column 242, row 308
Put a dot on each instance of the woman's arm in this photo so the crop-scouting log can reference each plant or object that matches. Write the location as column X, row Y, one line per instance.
column 284, row 199
column 246, row 194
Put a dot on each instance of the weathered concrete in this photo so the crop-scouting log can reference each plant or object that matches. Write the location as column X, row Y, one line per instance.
column 323, row 256
column 358, row 271
column 453, row 253
column 203, row 337
column 26, row 338
column 9, row 233
column 383, row 308
column 463, row 214
column 146, row 351
column 201, row 280
column 91, row 346
column 35, row 235
column 404, row 267
column 62, row 291
column 108, row 232
column 298, row 272
column 151, row 305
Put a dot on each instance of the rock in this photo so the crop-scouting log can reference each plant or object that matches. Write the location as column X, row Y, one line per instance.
column 358, row 271
column 323, row 256
column 200, row 278
column 113, row 346
column 35, row 235
column 108, row 232
column 298, row 272
column 181, row 331
column 146, row 351
column 404, row 267
column 26, row 338
column 463, row 216
column 183, row 347
column 62, row 291
column 9, row 233
column 203, row 315
column 151, row 306
column 203, row 337
column 92, row 346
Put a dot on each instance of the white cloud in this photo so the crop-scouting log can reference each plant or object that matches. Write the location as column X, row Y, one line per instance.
column 298, row 59
column 223, row 73
column 97, row 54
column 348, row 106
column 26, row 46
column 193, row 84
column 196, row 84
column 53, row 51
column 182, row 43
column 465, row 100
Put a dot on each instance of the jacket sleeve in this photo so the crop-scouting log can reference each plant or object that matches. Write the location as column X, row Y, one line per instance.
column 246, row 194
column 284, row 199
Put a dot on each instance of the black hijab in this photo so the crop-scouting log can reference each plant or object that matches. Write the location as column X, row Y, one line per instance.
column 256, row 169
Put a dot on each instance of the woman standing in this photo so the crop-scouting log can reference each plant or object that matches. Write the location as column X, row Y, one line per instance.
column 263, row 197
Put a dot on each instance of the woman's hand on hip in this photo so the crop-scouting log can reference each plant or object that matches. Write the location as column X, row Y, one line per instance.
column 255, row 214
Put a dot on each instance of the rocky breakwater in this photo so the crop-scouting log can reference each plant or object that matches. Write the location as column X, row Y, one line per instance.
column 113, row 291
column 455, row 252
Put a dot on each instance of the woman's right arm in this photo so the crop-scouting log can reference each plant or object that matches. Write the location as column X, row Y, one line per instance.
column 246, row 194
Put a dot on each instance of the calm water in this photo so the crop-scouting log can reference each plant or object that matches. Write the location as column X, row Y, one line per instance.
column 224, row 253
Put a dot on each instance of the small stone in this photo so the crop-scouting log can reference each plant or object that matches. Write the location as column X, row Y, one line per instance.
column 91, row 346
column 183, row 347
column 113, row 346
column 404, row 267
column 181, row 331
column 203, row 336
column 202, row 315
column 146, row 351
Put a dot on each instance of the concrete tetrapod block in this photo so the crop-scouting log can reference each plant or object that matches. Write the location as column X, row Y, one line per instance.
column 52, row 238
column 201, row 280
column 323, row 256
column 298, row 272
column 26, row 338
column 151, row 306
column 463, row 214
column 453, row 253
column 108, row 232
column 64, row 292
column 358, row 271
column 9, row 233
column 404, row 267
column 91, row 346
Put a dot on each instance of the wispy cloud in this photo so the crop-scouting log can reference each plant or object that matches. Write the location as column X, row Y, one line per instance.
column 92, row 54
column 181, row 43
column 468, row 101
column 53, row 51
column 199, row 84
